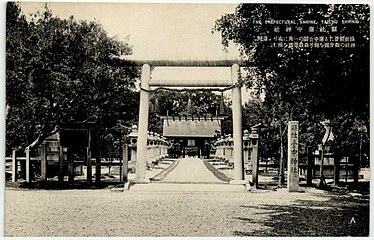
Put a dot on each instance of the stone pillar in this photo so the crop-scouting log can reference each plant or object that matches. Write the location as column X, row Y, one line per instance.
column 14, row 165
column 70, row 159
column 225, row 149
column 89, row 160
column 143, row 125
column 98, row 168
column 218, row 147
column 356, row 169
column 163, row 148
column 152, row 147
column 166, row 148
column 222, row 148
column 133, row 143
column 293, row 157
column 237, row 127
column 60, row 164
column 43, row 161
column 133, row 153
column 148, row 152
column 125, row 162
column 225, row 146
column 160, row 150
column 254, row 136
column 230, row 152
column 246, row 148
column 218, row 150
column 157, row 147
column 337, row 158
column 28, row 165
column 310, row 166
column 89, row 166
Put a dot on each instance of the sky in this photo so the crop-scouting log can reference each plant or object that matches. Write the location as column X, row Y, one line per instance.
column 158, row 31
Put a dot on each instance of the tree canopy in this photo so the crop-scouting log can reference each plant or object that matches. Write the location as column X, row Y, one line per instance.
column 304, row 83
column 187, row 103
column 61, row 70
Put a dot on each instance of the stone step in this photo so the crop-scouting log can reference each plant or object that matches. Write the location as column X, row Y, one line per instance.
column 217, row 163
column 179, row 187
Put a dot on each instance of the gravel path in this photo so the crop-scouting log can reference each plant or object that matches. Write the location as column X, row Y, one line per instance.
column 191, row 170
column 177, row 213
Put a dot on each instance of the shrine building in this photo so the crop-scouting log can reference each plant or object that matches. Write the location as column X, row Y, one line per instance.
column 191, row 136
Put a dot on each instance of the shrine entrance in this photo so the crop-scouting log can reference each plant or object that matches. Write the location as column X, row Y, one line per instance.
column 229, row 80
column 191, row 136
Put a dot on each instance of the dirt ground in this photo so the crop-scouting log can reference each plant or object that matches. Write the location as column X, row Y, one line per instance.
column 168, row 211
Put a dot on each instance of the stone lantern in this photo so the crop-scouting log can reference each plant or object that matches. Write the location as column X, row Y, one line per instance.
column 254, row 139
column 246, row 148
column 230, row 155
column 133, row 137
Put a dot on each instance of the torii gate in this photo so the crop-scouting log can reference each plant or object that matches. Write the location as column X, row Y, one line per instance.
column 233, row 83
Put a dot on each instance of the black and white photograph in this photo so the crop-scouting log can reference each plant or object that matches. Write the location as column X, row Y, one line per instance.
column 186, row 119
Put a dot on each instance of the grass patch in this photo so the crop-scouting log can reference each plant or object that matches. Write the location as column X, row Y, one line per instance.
column 220, row 175
column 165, row 172
column 55, row 185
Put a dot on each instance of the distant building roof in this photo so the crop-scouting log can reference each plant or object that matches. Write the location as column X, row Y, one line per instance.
column 53, row 137
column 191, row 128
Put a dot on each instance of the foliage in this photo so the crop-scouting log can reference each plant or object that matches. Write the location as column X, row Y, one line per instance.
column 61, row 70
column 306, row 84
column 175, row 103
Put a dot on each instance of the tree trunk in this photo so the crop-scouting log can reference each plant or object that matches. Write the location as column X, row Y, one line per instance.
column 42, row 136
column 7, row 111
column 281, row 164
column 322, row 177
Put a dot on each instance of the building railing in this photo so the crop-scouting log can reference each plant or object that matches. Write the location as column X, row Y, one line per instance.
column 157, row 147
column 225, row 147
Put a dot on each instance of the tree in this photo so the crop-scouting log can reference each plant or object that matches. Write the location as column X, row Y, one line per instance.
column 66, row 70
column 17, row 56
column 183, row 103
column 306, row 84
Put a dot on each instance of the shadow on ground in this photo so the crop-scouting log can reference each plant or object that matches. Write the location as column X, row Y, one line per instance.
column 340, row 215
column 55, row 185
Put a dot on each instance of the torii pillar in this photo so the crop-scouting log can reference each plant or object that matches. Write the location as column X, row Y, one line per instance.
column 237, row 128
column 143, row 126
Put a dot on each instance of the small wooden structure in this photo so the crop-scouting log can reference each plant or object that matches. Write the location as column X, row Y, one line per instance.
column 335, row 166
column 58, row 149
column 73, row 136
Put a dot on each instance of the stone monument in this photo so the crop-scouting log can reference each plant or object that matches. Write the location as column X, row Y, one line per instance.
column 293, row 157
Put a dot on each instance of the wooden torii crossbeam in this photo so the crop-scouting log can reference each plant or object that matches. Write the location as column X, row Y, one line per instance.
column 191, row 63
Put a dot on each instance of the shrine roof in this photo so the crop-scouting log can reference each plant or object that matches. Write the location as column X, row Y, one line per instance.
column 206, row 128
